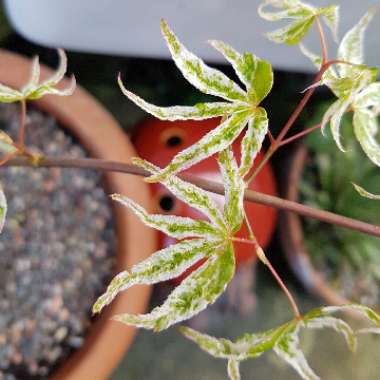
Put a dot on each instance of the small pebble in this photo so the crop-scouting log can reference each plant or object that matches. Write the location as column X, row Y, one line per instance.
column 56, row 253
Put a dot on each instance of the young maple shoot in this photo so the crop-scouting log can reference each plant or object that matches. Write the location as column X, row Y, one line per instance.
column 354, row 84
column 304, row 16
column 34, row 89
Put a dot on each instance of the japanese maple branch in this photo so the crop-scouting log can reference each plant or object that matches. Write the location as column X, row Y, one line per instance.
column 215, row 187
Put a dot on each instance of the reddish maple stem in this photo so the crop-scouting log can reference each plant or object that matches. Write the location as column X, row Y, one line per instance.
column 322, row 39
column 271, row 138
column 301, row 105
column 8, row 157
column 22, row 126
column 300, row 134
column 274, row 273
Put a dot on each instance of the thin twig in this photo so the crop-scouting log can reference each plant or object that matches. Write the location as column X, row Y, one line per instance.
column 322, row 39
column 215, row 187
column 263, row 258
column 22, row 126
column 300, row 134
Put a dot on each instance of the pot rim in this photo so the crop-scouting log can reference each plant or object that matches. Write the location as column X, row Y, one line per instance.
column 100, row 134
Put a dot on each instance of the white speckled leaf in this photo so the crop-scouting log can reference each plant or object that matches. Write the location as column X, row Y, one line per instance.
column 365, row 128
column 361, row 309
column 284, row 339
column 369, row 97
column 292, row 34
column 47, row 87
column 33, row 90
column 213, row 142
column 178, row 227
column 200, row 111
column 233, row 370
column 6, row 143
column 201, row 288
column 3, row 209
column 234, row 187
column 162, row 265
column 334, row 115
column 330, row 16
column 338, row 325
column 287, row 348
column 352, row 45
column 292, row 9
column 329, row 75
column 34, row 76
column 253, row 140
column 366, row 194
column 204, row 78
column 303, row 15
column 372, row 330
column 255, row 73
column 188, row 193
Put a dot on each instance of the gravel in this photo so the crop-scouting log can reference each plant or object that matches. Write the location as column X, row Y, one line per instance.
column 55, row 253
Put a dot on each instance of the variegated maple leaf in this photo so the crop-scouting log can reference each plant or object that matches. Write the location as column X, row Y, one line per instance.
column 354, row 85
column 209, row 240
column 3, row 208
column 284, row 340
column 34, row 89
column 303, row 15
column 241, row 107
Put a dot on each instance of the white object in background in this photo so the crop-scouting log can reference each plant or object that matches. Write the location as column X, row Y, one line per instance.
column 131, row 27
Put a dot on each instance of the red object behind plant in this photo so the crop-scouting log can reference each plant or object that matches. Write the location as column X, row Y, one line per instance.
column 159, row 141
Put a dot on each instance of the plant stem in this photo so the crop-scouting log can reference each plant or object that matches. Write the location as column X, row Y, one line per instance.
column 301, row 105
column 214, row 187
column 301, row 134
column 22, row 126
column 322, row 41
column 261, row 255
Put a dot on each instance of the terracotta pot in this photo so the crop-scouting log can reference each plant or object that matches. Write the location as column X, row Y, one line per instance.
column 82, row 116
column 159, row 141
column 292, row 238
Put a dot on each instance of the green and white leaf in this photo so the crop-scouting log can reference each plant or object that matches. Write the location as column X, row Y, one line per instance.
column 200, row 111
column 34, row 90
column 330, row 76
column 351, row 49
column 234, row 188
column 201, row 288
column 253, row 140
column 303, row 16
column 367, row 312
column 256, row 74
column 213, row 142
column 3, row 209
column 366, row 194
column 162, row 265
column 192, row 195
column 369, row 98
column 365, row 127
column 287, row 347
column 338, row 325
column 175, row 226
column 6, row 143
column 204, row 78
column 284, row 340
